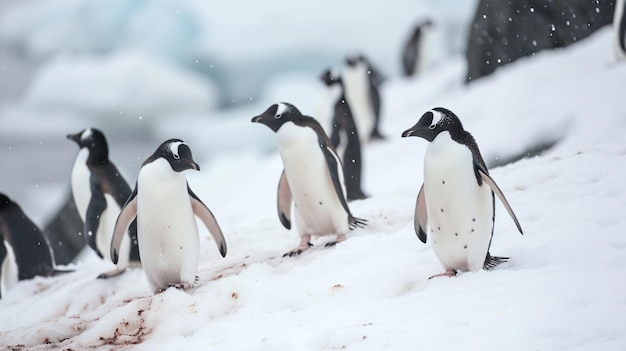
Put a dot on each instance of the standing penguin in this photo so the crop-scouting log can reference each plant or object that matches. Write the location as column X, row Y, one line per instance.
column 24, row 249
column 456, row 200
column 344, row 133
column 619, row 28
column 312, row 177
column 414, row 55
column 165, row 206
column 99, row 192
column 361, row 89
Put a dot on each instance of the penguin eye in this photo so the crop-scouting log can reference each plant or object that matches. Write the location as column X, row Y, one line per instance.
column 176, row 156
column 277, row 116
column 432, row 126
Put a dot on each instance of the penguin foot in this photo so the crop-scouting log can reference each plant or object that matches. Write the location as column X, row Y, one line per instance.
column 111, row 274
column 298, row 250
column 179, row 286
column 449, row 273
column 356, row 195
column 340, row 238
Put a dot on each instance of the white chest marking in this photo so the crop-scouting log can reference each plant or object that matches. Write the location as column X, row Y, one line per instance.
column 9, row 270
column 167, row 231
column 81, row 188
column 357, row 90
column 460, row 213
column 318, row 209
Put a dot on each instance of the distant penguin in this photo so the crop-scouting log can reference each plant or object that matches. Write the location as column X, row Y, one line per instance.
column 456, row 200
column 361, row 89
column 414, row 55
column 24, row 251
column 99, row 191
column 164, row 206
column 619, row 28
column 344, row 133
column 312, row 177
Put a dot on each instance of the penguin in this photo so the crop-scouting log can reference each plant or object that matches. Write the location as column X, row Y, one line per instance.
column 619, row 29
column 361, row 89
column 343, row 125
column 100, row 191
column 312, row 177
column 24, row 251
column 414, row 58
column 456, row 200
column 164, row 206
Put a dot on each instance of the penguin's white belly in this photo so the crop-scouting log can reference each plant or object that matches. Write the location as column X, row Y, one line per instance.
column 9, row 271
column 167, row 231
column 81, row 187
column 460, row 213
column 357, row 92
column 318, row 209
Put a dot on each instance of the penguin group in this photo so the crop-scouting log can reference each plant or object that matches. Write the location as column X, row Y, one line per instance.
column 152, row 225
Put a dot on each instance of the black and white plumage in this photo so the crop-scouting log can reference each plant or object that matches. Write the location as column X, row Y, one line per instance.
column 99, row 191
column 361, row 82
column 24, row 249
column 619, row 29
column 312, row 178
column 456, row 204
column 344, row 135
column 415, row 53
column 165, row 208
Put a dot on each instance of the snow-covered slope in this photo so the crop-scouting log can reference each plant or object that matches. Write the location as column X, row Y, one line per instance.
column 562, row 289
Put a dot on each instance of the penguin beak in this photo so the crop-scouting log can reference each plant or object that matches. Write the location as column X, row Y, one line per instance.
column 193, row 165
column 416, row 130
column 262, row 118
column 75, row 137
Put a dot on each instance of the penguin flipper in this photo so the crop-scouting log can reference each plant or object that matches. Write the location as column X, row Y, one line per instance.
column 206, row 216
column 420, row 220
column 127, row 214
column 284, row 201
column 96, row 207
column 494, row 187
column 335, row 171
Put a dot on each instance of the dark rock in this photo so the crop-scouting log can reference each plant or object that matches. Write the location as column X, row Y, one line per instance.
column 503, row 31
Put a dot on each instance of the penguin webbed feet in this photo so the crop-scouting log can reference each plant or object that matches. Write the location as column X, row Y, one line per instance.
column 448, row 273
column 340, row 238
column 111, row 274
column 298, row 250
column 179, row 286
column 356, row 222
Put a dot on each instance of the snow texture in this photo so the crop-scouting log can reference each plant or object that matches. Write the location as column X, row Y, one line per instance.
column 562, row 289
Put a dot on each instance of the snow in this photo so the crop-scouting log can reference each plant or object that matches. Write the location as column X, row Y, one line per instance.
column 562, row 289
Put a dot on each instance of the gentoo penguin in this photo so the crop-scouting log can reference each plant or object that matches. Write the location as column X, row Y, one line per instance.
column 619, row 28
column 99, row 191
column 164, row 206
column 24, row 251
column 456, row 200
column 344, row 134
column 312, row 177
column 414, row 58
column 362, row 95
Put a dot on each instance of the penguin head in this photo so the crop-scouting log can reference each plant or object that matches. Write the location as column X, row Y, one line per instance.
column 92, row 139
column 177, row 154
column 356, row 59
column 330, row 77
column 434, row 122
column 277, row 115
